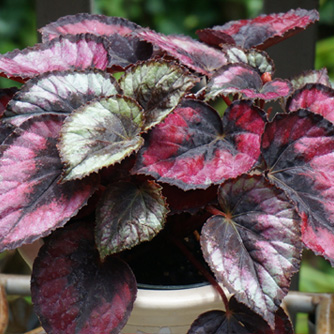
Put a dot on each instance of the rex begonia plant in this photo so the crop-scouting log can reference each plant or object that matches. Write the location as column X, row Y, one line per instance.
column 120, row 135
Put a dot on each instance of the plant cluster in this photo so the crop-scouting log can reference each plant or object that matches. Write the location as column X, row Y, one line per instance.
column 119, row 133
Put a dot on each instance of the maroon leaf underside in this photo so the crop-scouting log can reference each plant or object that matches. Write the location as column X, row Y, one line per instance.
column 73, row 292
column 88, row 23
column 61, row 92
column 243, row 79
column 241, row 320
column 191, row 53
column 6, row 94
column 314, row 97
column 262, row 31
column 33, row 201
column 298, row 150
column 193, row 148
column 256, row 251
column 62, row 53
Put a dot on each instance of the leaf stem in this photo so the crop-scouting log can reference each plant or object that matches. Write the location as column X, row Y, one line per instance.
column 199, row 266
column 215, row 211
column 227, row 100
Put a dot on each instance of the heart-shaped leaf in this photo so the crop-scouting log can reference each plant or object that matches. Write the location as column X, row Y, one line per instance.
column 298, row 151
column 61, row 92
column 254, row 247
column 193, row 148
column 129, row 214
column 259, row 60
column 157, row 86
column 60, row 54
column 239, row 320
column 87, row 23
column 73, row 292
column 262, row 31
column 312, row 76
column 314, row 97
column 100, row 134
column 33, row 202
column 244, row 79
column 196, row 55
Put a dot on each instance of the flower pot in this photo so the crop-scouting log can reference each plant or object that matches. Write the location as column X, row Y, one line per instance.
column 170, row 311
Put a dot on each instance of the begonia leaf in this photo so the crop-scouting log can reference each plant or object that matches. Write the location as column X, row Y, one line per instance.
column 243, row 79
column 87, row 23
column 6, row 94
column 314, row 97
column 127, row 50
column 158, row 87
column 298, row 151
column 259, row 60
column 62, row 53
column 129, row 213
column 61, row 92
column 100, row 134
column 311, row 76
column 73, row 292
column 196, row 55
column 255, row 246
column 33, row 202
column 262, row 31
column 193, row 148
column 239, row 320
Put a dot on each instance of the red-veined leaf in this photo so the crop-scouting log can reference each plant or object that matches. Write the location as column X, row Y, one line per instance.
column 254, row 247
column 298, row 149
column 62, row 53
column 314, row 97
column 33, row 202
column 244, row 79
column 191, row 53
column 157, row 86
column 129, row 214
column 73, row 292
column 87, row 23
column 61, row 92
column 99, row 135
column 262, row 31
column 193, row 148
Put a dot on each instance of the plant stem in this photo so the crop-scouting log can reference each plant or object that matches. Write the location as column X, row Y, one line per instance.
column 227, row 100
column 199, row 266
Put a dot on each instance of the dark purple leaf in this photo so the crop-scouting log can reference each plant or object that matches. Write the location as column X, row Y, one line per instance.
column 298, row 151
column 61, row 92
column 124, row 51
column 129, row 214
column 88, row 23
column 193, row 148
column 62, row 53
column 262, row 31
column 73, row 292
column 157, row 86
column 238, row 320
column 6, row 94
column 254, row 247
column 312, row 76
column 314, row 97
column 191, row 53
column 33, row 202
column 244, row 79
column 100, row 134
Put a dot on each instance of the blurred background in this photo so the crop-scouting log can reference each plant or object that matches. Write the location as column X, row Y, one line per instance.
column 18, row 30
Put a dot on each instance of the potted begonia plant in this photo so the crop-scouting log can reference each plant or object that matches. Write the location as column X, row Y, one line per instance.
column 124, row 143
